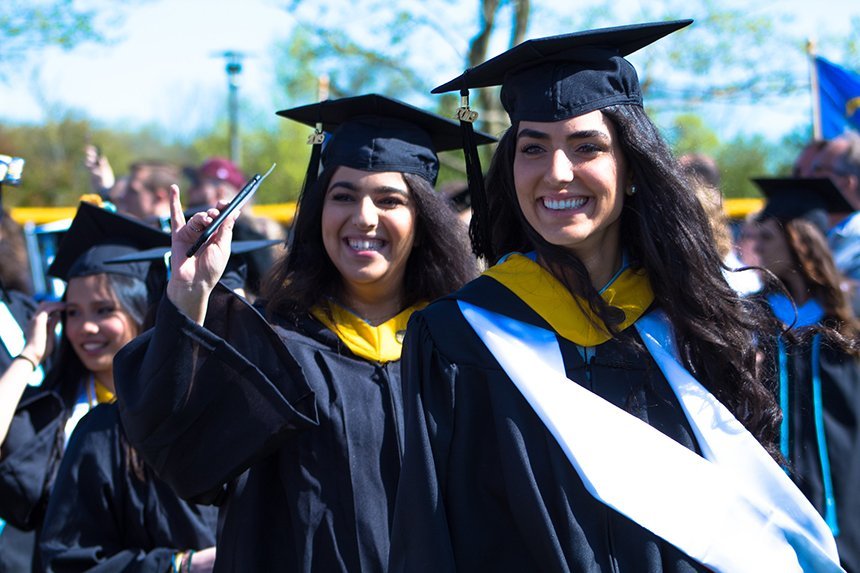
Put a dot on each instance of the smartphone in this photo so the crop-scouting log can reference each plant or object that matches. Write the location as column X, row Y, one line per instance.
column 238, row 201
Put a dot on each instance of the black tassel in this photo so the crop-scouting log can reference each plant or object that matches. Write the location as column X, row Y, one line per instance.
column 311, row 176
column 479, row 228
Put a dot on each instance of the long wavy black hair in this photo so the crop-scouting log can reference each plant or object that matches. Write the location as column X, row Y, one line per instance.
column 665, row 230
column 440, row 261
column 68, row 375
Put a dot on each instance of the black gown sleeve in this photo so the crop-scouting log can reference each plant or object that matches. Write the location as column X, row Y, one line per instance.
column 420, row 539
column 29, row 458
column 203, row 404
column 102, row 518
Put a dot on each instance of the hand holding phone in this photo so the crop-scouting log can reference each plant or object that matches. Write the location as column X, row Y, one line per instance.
column 238, row 201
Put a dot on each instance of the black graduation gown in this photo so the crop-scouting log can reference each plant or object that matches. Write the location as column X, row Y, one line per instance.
column 101, row 516
column 840, row 395
column 16, row 545
column 294, row 436
column 484, row 486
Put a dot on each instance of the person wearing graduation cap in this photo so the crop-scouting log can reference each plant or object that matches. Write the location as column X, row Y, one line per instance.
column 101, row 511
column 818, row 360
column 591, row 402
column 288, row 415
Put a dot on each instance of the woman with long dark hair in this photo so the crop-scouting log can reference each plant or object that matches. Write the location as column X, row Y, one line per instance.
column 290, row 417
column 67, row 469
column 818, row 360
column 591, row 403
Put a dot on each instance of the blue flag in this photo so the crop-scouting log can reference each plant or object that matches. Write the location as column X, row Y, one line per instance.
column 839, row 98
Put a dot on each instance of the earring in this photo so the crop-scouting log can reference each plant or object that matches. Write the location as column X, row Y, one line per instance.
column 631, row 191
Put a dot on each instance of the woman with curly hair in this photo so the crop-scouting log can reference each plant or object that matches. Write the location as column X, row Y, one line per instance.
column 289, row 415
column 817, row 359
column 591, row 402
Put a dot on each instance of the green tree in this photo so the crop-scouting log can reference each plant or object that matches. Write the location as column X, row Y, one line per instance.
column 689, row 133
column 741, row 159
column 27, row 26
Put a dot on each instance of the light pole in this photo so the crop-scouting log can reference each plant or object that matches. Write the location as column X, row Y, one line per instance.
column 234, row 68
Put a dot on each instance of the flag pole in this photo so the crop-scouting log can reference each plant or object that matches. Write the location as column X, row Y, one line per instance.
column 813, row 87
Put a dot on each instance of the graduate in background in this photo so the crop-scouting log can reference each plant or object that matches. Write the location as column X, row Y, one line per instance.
column 97, row 509
column 107, row 510
column 819, row 370
column 16, row 309
column 554, row 420
column 36, row 420
column 289, row 415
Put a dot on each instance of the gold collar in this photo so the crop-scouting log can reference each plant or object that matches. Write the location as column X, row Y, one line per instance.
column 383, row 343
column 571, row 317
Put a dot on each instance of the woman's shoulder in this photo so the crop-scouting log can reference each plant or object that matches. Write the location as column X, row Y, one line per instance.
column 441, row 324
column 99, row 427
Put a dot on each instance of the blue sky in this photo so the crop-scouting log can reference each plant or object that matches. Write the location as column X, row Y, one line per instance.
column 163, row 68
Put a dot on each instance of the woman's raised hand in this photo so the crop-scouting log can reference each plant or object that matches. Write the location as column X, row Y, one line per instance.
column 192, row 279
column 40, row 331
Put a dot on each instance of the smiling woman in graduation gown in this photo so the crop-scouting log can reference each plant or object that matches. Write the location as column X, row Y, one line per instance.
column 288, row 415
column 89, row 503
column 553, row 417
column 818, row 360
column 45, row 415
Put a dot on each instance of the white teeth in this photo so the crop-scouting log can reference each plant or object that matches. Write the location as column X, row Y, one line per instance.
column 558, row 205
column 92, row 346
column 365, row 244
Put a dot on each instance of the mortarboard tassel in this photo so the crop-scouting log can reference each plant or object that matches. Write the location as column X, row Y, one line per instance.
column 315, row 140
column 479, row 228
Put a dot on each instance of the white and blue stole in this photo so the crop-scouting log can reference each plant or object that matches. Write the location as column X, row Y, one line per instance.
column 732, row 509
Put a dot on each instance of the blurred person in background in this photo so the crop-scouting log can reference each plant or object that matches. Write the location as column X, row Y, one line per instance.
column 63, row 473
column 460, row 199
column 705, row 180
column 102, row 178
column 803, row 165
column 219, row 179
column 146, row 195
column 16, row 309
column 817, row 359
column 702, row 167
column 839, row 160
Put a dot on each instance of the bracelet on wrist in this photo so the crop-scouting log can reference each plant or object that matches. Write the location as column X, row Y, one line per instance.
column 188, row 557
column 26, row 358
column 177, row 562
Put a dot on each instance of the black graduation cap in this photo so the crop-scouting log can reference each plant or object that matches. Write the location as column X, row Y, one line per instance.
column 158, row 253
column 235, row 275
column 559, row 77
column 97, row 235
column 808, row 198
column 376, row 133
column 552, row 79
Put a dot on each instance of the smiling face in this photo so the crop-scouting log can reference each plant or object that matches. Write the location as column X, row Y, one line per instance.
column 96, row 325
column 368, row 229
column 570, row 178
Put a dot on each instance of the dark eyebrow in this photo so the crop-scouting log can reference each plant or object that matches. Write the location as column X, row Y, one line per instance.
column 349, row 186
column 584, row 134
column 345, row 184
